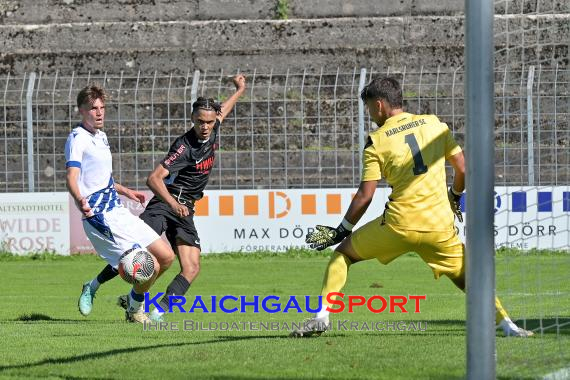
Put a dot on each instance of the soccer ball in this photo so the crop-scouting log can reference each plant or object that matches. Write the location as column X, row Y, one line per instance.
column 136, row 266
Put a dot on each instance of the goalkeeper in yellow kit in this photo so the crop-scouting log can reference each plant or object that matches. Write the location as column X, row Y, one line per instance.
column 409, row 151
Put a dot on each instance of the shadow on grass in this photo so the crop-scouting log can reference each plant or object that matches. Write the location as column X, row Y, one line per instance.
column 456, row 326
column 118, row 351
column 43, row 318
column 426, row 328
column 34, row 317
column 550, row 326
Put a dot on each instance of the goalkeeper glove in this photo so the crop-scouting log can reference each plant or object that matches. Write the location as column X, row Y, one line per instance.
column 325, row 236
column 454, row 201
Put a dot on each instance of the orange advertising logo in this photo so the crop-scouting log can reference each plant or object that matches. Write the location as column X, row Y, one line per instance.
column 279, row 204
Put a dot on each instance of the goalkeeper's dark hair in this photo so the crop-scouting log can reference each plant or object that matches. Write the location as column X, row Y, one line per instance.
column 207, row 104
column 386, row 88
column 89, row 94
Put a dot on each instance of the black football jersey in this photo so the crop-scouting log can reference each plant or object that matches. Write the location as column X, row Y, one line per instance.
column 189, row 162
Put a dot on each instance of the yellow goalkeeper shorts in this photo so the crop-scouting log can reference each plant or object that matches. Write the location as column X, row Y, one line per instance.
column 442, row 251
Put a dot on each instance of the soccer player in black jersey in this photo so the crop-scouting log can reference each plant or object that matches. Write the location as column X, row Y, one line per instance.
column 178, row 181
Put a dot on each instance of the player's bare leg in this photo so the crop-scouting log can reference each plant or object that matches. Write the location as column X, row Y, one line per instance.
column 189, row 258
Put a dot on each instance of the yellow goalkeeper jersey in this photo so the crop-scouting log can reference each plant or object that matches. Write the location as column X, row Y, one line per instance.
column 409, row 151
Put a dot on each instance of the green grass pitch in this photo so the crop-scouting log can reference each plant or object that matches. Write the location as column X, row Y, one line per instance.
column 43, row 335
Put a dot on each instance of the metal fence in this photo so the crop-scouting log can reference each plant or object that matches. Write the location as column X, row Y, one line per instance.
column 289, row 130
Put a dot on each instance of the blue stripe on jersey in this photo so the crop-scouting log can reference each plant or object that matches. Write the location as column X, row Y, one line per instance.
column 105, row 199
column 73, row 164
column 98, row 222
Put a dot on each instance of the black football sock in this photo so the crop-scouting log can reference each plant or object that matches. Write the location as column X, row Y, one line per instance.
column 108, row 273
column 177, row 287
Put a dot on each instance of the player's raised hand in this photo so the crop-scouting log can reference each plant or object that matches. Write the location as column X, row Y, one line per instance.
column 325, row 236
column 239, row 82
column 454, row 202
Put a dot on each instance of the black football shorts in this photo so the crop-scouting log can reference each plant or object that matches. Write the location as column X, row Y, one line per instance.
column 160, row 217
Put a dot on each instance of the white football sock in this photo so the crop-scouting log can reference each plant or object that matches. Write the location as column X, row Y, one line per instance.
column 94, row 284
column 323, row 313
column 134, row 305
column 508, row 326
column 157, row 313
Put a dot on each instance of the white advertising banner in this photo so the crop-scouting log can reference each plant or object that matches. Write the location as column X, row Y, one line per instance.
column 531, row 217
column 34, row 222
column 276, row 220
column 272, row 220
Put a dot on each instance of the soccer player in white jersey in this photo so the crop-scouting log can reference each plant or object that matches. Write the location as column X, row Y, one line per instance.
column 110, row 227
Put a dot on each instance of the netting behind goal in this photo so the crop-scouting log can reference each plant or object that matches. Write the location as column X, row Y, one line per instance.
column 532, row 219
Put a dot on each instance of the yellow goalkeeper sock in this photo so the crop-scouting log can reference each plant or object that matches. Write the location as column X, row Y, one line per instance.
column 501, row 313
column 335, row 275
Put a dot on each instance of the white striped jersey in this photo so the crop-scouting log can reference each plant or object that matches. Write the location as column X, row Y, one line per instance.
column 92, row 154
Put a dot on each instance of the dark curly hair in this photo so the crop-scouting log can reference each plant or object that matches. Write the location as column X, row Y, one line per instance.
column 383, row 88
column 207, row 104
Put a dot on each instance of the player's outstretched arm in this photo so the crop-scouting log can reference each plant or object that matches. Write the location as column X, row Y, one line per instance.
column 457, row 161
column 228, row 105
column 155, row 182
column 361, row 201
column 135, row 195
column 325, row 236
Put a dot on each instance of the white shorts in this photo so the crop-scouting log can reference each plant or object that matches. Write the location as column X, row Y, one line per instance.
column 115, row 231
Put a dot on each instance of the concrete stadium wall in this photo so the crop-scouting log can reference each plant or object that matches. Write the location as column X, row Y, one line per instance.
column 63, row 11
column 177, row 46
column 177, row 36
